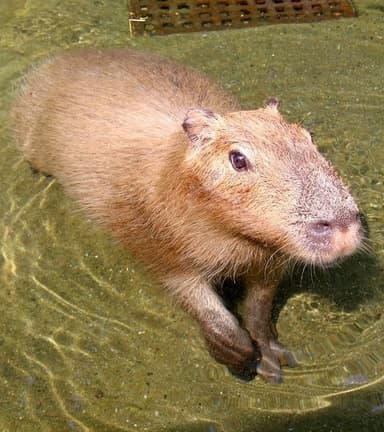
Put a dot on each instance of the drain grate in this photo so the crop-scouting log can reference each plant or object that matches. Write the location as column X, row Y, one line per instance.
column 178, row 16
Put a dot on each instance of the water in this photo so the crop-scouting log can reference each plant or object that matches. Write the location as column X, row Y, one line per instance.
column 87, row 340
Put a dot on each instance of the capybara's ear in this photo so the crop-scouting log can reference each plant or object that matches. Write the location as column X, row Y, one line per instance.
column 273, row 103
column 201, row 125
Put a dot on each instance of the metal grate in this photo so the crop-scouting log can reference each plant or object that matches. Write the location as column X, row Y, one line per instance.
column 178, row 16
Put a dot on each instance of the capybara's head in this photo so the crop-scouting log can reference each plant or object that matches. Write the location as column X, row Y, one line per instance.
column 264, row 180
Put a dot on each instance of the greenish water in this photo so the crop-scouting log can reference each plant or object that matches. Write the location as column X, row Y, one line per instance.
column 87, row 340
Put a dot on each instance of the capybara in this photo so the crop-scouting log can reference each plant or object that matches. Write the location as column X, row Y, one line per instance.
column 197, row 189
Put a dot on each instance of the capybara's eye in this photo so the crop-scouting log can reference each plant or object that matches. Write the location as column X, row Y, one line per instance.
column 238, row 161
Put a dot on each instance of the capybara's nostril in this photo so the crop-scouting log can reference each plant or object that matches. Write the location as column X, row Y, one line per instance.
column 321, row 228
column 324, row 227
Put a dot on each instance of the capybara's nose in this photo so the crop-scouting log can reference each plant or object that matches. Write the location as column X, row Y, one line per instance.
column 323, row 228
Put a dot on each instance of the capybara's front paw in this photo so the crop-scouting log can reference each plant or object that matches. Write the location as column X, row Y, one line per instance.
column 234, row 348
column 273, row 356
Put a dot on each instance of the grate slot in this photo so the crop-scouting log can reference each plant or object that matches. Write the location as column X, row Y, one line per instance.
column 178, row 16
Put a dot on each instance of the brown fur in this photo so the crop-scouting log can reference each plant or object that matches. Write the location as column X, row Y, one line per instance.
column 133, row 139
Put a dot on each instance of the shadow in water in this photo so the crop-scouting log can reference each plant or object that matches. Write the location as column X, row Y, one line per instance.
column 347, row 285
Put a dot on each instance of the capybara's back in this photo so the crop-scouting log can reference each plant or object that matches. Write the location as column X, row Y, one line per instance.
column 80, row 113
column 197, row 190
